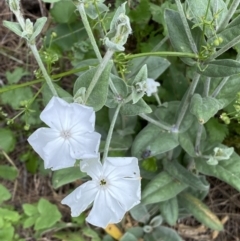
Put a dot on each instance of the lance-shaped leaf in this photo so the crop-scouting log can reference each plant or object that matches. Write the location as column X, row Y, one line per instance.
column 154, row 140
column 178, row 36
column 15, row 27
column 200, row 211
column 163, row 187
column 37, row 28
column 176, row 170
column 219, row 68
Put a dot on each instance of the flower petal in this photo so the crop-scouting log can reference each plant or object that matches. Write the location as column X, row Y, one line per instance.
column 55, row 114
column 104, row 203
column 81, row 198
column 60, row 115
column 93, row 167
column 57, row 154
column 82, row 118
column 126, row 192
column 39, row 139
column 85, row 145
column 119, row 167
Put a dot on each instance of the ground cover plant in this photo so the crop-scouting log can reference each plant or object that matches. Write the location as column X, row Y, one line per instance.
column 124, row 110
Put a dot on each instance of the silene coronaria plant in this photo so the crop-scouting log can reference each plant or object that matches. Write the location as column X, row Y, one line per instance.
column 180, row 142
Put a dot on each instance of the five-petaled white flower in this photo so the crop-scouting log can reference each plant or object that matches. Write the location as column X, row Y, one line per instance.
column 71, row 134
column 151, row 86
column 114, row 188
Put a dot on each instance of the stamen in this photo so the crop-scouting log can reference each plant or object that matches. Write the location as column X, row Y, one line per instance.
column 66, row 134
column 103, row 182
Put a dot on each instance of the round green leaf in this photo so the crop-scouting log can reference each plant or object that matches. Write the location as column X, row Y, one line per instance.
column 7, row 140
column 4, row 194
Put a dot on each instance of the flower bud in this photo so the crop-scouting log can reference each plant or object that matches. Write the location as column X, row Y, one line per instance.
column 120, row 29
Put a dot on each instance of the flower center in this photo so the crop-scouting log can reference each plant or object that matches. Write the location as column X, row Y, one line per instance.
column 65, row 134
column 103, row 182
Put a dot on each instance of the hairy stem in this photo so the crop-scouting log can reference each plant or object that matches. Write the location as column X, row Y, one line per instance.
column 156, row 122
column 186, row 102
column 98, row 73
column 93, row 42
column 43, row 69
column 219, row 87
column 89, row 30
column 162, row 54
column 110, row 132
column 198, row 139
column 206, row 87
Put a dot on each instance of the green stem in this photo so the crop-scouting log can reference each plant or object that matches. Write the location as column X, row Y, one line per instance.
column 206, row 86
column 89, row 31
column 198, row 140
column 204, row 26
column 228, row 16
column 162, row 54
column 219, row 87
column 42, row 67
column 156, row 48
column 95, row 47
column 156, row 122
column 55, row 78
column 20, row 19
column 186, row 27
column 186, row 102
column 98, row 73
column 110, row 132
column 157, row 99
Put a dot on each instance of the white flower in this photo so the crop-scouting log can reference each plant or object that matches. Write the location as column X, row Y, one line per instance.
column 151, row 86
column 71, row 134
column 114, row 188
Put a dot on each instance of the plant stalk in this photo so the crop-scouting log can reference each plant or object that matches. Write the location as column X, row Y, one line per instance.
column 162, row 54
column 219, row 87
column 42, row 67
column 110, row 132
column 156, row 122
column 198, row 139
column 89, row 30
column 94, row 44
column 98, row 73
column 186, row 102
column 207, row 87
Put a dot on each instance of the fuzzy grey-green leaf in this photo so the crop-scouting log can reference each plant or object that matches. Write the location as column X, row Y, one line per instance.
column 154, row 140
column 204, row 108
column 98, row 97
column 219, row 68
